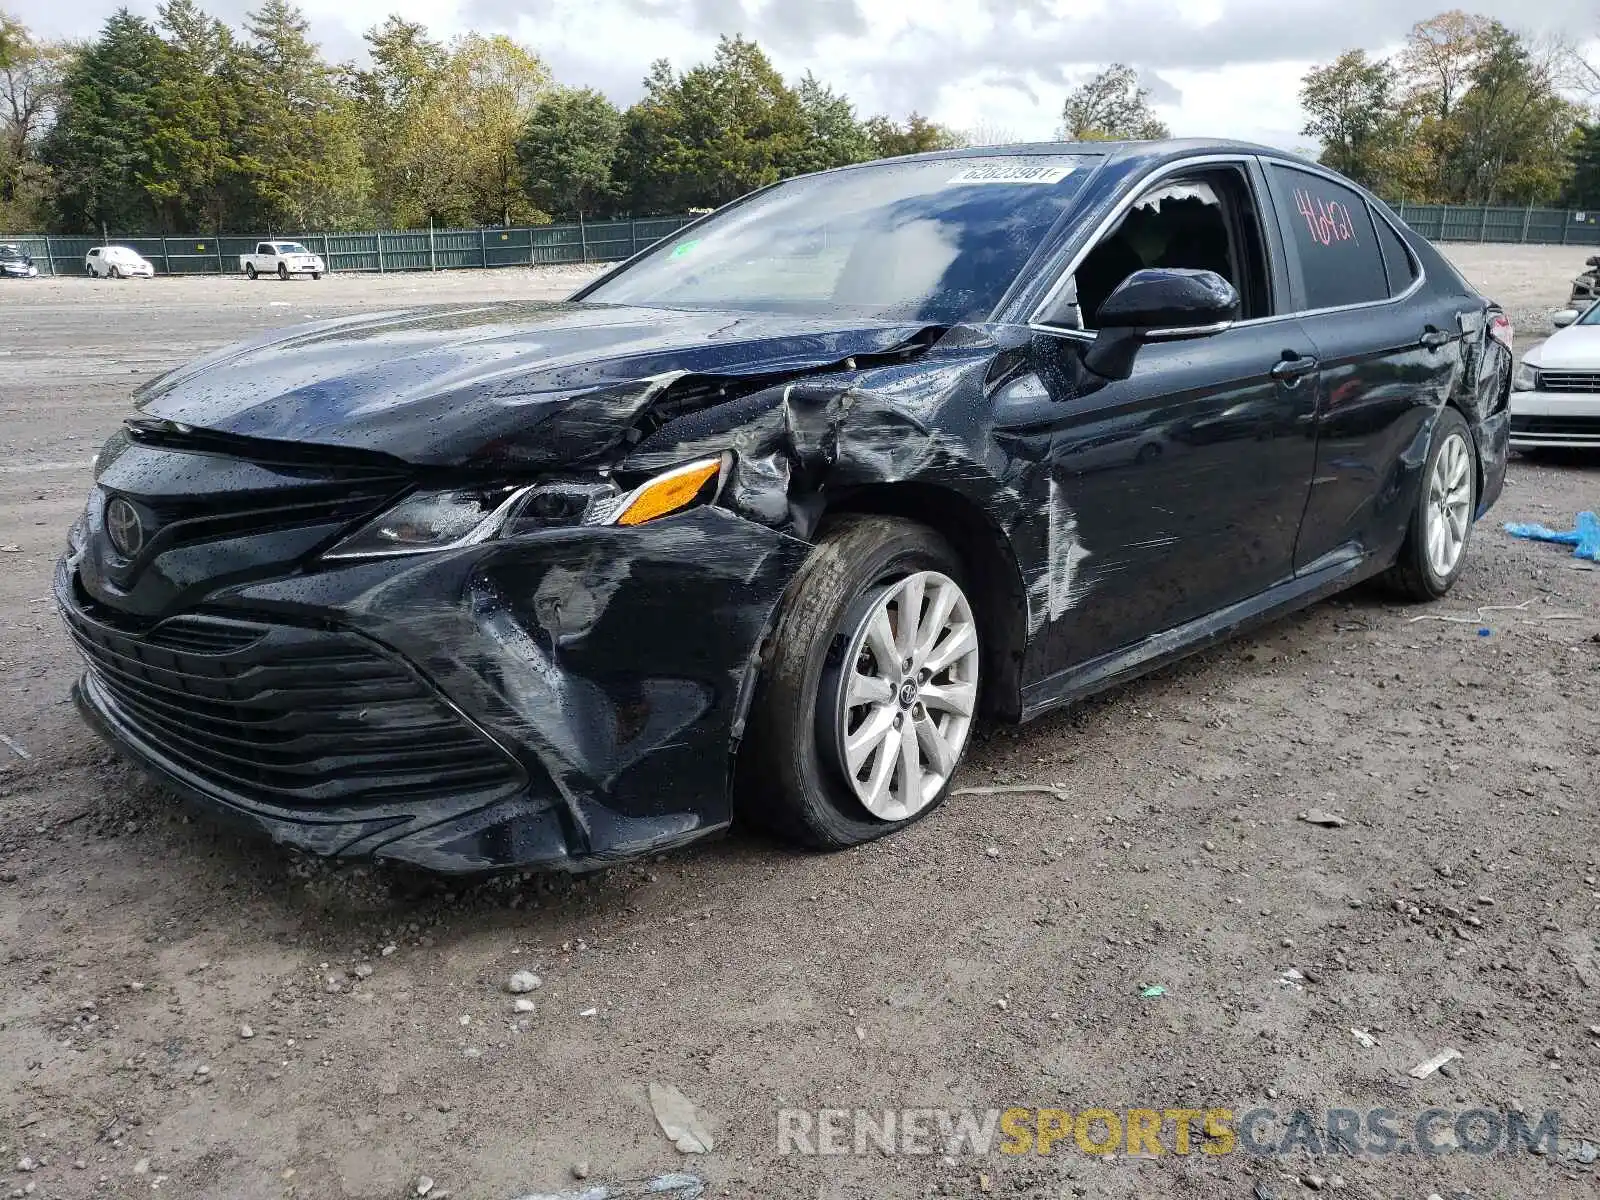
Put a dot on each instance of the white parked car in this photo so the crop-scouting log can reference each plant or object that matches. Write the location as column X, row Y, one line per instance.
column 117, row 262
column 282, row 259
column 1555, row 393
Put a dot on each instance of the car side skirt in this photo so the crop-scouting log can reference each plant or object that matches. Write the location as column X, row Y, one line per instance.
column 1333, row 573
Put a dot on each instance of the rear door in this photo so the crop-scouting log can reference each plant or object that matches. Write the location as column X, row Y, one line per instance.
column 1387, row 350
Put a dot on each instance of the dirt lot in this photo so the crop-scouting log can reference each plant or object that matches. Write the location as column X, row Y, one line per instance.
column 992, row 956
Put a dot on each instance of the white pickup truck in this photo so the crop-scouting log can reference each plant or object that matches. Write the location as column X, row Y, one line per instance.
column 282, row 259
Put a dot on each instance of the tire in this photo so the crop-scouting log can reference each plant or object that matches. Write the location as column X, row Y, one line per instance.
column 283, row 272
column 250, row 271
column 1447, row 500
column 791, row 775
column 316, row 274
column 116, row 273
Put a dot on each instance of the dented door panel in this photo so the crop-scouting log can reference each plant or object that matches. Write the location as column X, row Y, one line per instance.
column 1380, row 388
column 1171, row 493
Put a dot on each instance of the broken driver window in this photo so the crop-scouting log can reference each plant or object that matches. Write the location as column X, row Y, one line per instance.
column 1203, row 222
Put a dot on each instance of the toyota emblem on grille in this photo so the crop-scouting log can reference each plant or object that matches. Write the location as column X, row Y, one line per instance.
column 124, row 527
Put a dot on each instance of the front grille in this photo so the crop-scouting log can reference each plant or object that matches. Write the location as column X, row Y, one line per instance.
column 1569, row 381
column 210, row 518
column 298, row 718
column 235, row 486
column 1585, row 427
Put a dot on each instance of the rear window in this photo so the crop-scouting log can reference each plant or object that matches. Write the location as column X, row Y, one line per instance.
column 1340, row 260
column 1397, row 261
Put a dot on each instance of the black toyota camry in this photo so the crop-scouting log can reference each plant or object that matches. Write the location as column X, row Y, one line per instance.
column 764, row 519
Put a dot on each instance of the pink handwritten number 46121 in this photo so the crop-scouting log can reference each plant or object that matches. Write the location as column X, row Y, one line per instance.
column 1328, row 220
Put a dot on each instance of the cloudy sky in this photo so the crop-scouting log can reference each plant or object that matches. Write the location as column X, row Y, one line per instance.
column 1215, row 67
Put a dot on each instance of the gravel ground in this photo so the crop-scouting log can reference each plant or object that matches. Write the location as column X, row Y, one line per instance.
column 994, row 955
column 1530, row 282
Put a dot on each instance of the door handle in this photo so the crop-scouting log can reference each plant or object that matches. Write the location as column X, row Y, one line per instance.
column 1433, row 338
column 1293, row 367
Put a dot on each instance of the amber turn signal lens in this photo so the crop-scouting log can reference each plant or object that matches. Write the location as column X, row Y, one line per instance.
column 668, row 492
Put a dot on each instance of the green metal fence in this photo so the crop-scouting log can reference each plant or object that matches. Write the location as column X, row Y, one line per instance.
column 612, row 241
column 1540, row 226
column 412, row 250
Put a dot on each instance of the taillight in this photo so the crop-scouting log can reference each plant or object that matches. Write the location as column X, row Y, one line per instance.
column 1500, row 329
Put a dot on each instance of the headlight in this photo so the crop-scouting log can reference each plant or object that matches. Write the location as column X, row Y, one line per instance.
column 428, row 521
column 1524, row 378
column 424, row 522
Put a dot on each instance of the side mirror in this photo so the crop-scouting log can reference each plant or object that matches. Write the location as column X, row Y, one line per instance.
column 1158, row 305
column 1564, row 318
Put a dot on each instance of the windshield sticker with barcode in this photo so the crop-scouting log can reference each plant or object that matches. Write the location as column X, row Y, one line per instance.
column 1007, row 173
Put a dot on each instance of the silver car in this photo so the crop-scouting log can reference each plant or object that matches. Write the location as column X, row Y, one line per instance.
column 1555, row 392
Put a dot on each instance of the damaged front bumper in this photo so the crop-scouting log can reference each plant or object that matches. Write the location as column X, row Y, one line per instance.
column 563, row 700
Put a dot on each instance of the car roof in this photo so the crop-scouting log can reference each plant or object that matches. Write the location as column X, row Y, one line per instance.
column 1161, row 149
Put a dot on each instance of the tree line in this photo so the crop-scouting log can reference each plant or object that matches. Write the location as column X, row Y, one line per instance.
column 1468, row 111
column 186, row 125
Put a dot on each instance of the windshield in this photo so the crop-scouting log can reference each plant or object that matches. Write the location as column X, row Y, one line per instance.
column 292, row 248
column 1591, row 316
column 939, row 240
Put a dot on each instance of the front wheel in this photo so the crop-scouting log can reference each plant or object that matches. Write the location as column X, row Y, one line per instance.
column 283, row 272
column 1435, row 549
column 115, row 273
column 868, row 700
column 316, row 274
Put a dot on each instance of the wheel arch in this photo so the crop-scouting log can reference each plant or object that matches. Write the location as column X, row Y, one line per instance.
column 993, row 575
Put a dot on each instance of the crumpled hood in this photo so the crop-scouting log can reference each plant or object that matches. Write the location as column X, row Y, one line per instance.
column 506, row 383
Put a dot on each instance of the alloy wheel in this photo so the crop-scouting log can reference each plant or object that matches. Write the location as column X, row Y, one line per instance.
column 902, row 706
column 1449, row 503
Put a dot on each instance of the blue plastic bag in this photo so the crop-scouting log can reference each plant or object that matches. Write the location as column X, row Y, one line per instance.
column 1586, row 537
